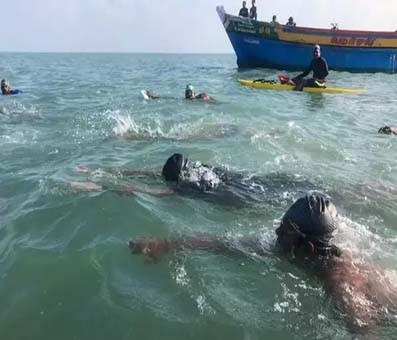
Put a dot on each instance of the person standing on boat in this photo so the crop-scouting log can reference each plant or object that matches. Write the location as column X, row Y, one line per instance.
column 274, row 21
column 290, row 22
column 243, row 11
column 253, row 12
column 319, row 67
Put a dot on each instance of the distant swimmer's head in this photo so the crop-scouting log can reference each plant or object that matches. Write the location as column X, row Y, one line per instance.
column 5, row 86
column 189, row 91
column 308, row 227
column 387, row 130
column 316, row 51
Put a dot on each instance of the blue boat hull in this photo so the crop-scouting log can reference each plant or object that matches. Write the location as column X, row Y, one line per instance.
column 254, row 51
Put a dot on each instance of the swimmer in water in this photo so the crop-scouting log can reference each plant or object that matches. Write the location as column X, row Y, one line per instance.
column 387, row 130
column 149, row 95
column 362, row 292
column 184, row 176
column 189, row 94
column 6, row 88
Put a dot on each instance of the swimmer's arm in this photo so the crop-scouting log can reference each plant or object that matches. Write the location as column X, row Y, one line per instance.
column 348, row 290
column 154, row 248
column 128, row 172
column 359, row 319
column 116, row 171
column 129, row 190
column 126, row 190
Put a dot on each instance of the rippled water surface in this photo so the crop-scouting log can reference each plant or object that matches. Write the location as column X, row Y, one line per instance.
column 65, row 268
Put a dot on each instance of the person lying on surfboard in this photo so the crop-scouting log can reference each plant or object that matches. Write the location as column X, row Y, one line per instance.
column 189, row 94
column 365, row 294
column 387, row 130
column 319, row 67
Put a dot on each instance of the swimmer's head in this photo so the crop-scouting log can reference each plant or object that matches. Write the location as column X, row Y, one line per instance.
column 308, row 226
column 173, row 167
column 385, row 130
column 5, row 85
column 189, row 91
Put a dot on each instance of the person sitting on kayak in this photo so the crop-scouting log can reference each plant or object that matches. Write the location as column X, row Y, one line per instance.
column 243, row 11
column 188, row 177
column 319, row 67
column 190, row 94
column 387, row 130
column 6, row 88
column 365, row 294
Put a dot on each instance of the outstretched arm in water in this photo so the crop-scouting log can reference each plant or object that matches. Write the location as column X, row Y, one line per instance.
column 126, row 190
column 117, row 171
column 154, row 248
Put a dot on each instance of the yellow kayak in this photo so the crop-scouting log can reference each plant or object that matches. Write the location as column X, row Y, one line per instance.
column 284, row 87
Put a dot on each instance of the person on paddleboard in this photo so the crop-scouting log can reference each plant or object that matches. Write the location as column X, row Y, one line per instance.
column 318, row 66
column 366, row 295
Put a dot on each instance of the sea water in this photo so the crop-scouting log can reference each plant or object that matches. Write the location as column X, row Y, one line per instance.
column 65, row 268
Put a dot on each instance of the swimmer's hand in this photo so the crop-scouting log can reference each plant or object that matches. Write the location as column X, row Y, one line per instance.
column 152, row 248
column 83, row 169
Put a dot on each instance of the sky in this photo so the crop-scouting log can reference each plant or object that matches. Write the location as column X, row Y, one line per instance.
column 165, row 26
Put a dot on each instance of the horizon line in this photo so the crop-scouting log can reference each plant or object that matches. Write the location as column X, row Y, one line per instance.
column 113, row 52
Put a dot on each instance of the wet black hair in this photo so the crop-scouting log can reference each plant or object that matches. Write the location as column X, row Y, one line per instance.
column 385, row 129
column 310, row 222
column 173, row 167
column 3, row 85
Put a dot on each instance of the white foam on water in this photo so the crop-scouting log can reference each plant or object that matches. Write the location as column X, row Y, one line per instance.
column 20, row 137
column 127, row 127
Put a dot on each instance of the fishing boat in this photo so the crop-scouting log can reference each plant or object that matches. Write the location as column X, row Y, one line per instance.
column 261, row 44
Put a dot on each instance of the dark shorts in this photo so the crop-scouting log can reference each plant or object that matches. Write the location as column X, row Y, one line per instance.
column 310, row 82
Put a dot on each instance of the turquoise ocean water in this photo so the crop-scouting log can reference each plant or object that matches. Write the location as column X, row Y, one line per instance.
column 65, row 269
